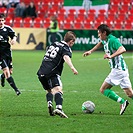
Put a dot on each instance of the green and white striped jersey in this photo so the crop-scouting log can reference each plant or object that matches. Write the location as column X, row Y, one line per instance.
column 111, row 45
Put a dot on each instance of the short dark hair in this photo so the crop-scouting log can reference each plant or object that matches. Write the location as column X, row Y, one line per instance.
column 104, row 27
column 2, row 15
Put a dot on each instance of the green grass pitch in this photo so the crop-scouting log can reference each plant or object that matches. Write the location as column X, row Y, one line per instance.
column 28, row 113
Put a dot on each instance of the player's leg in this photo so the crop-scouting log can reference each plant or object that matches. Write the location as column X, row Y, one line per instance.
column 129, row 92
column 58, row 97
column 3, row 76
column 106, row 90
column 56, row 84
column 49, row 95
column 127, row 88
column 49, row 98
column 2, row 80
column 8, row 77
column 10, row 80
column 123, row 106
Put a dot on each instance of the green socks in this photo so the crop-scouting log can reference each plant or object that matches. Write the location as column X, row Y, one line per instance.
column 112, row 95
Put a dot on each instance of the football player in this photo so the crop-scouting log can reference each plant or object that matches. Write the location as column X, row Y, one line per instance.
column 51, row 69
column 7, row 32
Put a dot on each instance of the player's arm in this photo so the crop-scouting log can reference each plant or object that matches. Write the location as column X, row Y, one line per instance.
column 120, row 50
column 67, row 59
column 13, row 40
column 99, row 45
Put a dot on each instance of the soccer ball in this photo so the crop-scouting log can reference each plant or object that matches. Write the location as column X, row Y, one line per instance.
column 88, row 107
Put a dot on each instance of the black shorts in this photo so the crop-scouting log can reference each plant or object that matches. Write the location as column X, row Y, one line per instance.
column 6, row 63
column 51, row 82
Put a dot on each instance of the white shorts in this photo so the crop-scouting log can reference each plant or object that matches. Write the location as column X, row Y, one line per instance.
column 119, row 77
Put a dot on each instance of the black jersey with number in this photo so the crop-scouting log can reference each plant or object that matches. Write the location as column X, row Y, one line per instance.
column 53, row 59
column 5, row 33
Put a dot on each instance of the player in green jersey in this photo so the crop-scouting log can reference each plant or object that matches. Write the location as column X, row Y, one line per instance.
column 119, row 72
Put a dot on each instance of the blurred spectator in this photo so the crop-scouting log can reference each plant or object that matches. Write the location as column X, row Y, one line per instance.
column 5, row 3
column 31, row 10
column 13, row 3
column 87, row 4
column 54, row 28
column 20, row 10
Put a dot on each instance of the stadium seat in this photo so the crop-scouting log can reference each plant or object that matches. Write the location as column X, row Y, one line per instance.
column 121, row 16
column 61, row 24
column 115, row 4
column 11, row 12
column 118, row 21
column 61, row 17
column 58, row 4
column 91, row 14
column 3, row 10
column 37, row 22
column 46, row 22
column 68, row 26
column 111, row 15
column 82, row 14
column 97, row 22
column 55, row 7
column 18, row 22
column 130, row 16
column 9, row 21
column 27, row 22
column 62, row 11
column 101, row 14
column 82, row 11
column 109, row 22
column 42, row 12
column 128, row 23
column 52, row 12
column 78, row 25
column 46, row 25
column 125, row 8
column 101, row 17
column 126, row 4
column 102, row 11
column 71, row 14
column 87, row 26
column 40, row 4
column 128, row 26
column 118, row 26
column 91, row 11
column 61, row 14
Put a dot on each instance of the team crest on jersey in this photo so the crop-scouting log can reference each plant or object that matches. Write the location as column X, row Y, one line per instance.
column 4, row 29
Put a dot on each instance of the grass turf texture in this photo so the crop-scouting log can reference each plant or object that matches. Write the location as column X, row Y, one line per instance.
column 28, row 113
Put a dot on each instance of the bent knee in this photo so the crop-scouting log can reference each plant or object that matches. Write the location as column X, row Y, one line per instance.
column 130, row 95
column 101, row 90
column 57, row 89
column 129, row 92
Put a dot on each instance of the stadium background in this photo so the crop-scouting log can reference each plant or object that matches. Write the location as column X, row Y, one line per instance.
column 72, row 16
column 28, row 113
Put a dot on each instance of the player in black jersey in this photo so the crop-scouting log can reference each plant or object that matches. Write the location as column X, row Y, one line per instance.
column 51, row 69
column 5, row 53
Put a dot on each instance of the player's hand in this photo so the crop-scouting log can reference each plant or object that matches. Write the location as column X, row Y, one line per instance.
column 74, row 70
column 106, row 56
column 13, row 41
column 86, row 53
column 11, row 70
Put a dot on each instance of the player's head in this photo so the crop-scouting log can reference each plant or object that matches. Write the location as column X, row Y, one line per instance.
column 70, row 38
column 2, row 19
column 103, row 31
